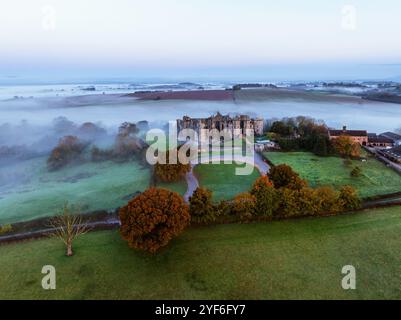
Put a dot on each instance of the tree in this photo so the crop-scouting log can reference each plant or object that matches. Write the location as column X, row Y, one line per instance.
column 282, row 128
column 308, row 202
column 153, row 218
column 201, row 207
column 356, row 172
column 283, row 176
column 320, row 147
column 244, row 206
column 170, row 172
column 90, row 131
column 68, row 150
column 327, row 200
column 265, row 196
column 346, row 147
column 287, row 203
column 128, row 129
column 349, row 199
column 68, row 226
column 127, row 145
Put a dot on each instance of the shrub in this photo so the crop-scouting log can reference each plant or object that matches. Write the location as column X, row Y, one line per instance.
column 7, row 228
column 349, row 199
column 153, row 218
column 201, row 207
column 327, row 200
column 356, row 172
column 283, row 176
column 346, row 147
column 224, row 208
column 265, row 196
column 309, row 204
column 244, row 206
column 68, row 150
column 321, row 146
column 170, row 172
column 287, row 203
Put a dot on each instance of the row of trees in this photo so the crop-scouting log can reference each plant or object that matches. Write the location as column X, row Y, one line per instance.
column 302, row 133
column 282, row 195
column 152, row 219
column 71, row 149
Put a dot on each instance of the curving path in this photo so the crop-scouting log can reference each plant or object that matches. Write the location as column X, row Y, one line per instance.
column 192, row 182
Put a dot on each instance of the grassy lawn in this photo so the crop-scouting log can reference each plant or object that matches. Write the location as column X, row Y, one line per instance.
column 180, row 186
column 221, row 179
column 377, row 179
column 299, row 259
column 92, row 186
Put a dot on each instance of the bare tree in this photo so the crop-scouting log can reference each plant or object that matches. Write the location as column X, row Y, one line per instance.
column 68, row 226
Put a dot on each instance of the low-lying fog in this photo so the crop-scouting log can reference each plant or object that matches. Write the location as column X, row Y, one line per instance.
column 112, row 110
column 32, row 127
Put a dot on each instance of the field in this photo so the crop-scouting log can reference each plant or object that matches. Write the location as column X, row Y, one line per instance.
column 376, row 178
column 180, row 186
column 92, row 186
column 221, row 179
column 299, row 259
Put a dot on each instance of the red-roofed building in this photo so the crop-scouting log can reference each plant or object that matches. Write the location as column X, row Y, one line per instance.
column 359, row 136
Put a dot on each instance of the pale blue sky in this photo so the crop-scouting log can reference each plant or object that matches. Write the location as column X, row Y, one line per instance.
column 39, row 35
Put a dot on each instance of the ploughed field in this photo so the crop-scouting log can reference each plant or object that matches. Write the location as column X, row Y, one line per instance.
column 30, row 191
column 376, row 178
column 293, row 259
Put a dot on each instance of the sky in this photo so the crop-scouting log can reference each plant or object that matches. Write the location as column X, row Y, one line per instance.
column 196, row 37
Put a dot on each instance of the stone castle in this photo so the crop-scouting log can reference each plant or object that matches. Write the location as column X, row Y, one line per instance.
column 220, row 122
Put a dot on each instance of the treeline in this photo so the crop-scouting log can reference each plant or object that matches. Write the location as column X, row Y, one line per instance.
column 307, row 134
column 153, row 218
column 74, row 149
column 301, row 133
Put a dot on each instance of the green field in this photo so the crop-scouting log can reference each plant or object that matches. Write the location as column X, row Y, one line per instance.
column 180, row 186
column 299, row 259
column 376, row 178
column 221, row 179
column 92, row 186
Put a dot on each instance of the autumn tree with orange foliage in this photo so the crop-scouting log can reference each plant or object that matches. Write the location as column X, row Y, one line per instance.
column 153, row 218
column 349, row 198
column 170, row 172
column 244, row 206
column 68, row 150
column 201, row 206
column 346, row 147
column 265, row 196
column 283, row 176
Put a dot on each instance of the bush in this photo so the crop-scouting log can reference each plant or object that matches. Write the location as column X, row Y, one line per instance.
column 349, row 199
column 201, row 207
column 170, row 172
column 265, row 196
column 356, row 172
column 283, row 176
column 224, row 208
column 327, row 200
column 68, row 150
column 4, row 229
column 153, row 218
column 287, row 203
column 346, row 147
column 244, row 206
